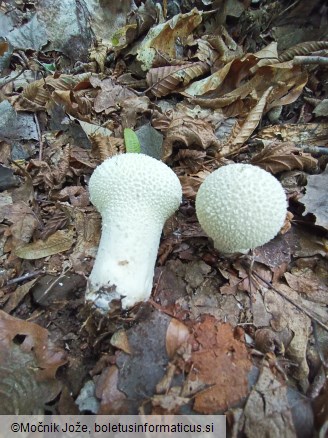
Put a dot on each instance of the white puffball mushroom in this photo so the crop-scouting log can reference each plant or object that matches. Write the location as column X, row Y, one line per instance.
column 134, row 194
column 241, row 206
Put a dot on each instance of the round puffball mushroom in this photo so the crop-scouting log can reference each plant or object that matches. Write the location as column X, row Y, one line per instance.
column 134, row 194
column 240, row 207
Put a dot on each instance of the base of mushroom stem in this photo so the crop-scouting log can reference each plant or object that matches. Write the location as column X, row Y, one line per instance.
column 103, row 298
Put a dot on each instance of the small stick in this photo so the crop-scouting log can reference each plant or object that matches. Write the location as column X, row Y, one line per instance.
column 321, row 356
column 39, row 135
column 24, row 277
column 321, row 60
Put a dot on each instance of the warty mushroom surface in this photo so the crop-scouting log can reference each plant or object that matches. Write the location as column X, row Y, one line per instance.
column 134, row 194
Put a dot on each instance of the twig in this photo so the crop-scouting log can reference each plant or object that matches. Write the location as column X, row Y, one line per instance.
column 307, row 313
column 39, row 135
column 318, row 150
column 24, row 277
column 321, row 356
column 321, row 60
column 12, row 79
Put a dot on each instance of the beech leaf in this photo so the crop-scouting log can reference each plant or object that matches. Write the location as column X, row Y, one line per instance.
column 60, row 241
column 279, row 157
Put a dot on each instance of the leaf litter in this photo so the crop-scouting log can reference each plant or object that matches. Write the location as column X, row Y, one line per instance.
column 202, row 85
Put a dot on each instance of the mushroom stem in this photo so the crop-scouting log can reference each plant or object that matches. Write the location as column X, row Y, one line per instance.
column 124, row 266
column 134, row 194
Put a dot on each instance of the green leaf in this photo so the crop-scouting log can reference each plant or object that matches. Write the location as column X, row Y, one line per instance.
column 49, row 67
column 131, row 141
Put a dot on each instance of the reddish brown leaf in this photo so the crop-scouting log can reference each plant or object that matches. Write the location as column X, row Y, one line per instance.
column 28, row 366
column 221, row 363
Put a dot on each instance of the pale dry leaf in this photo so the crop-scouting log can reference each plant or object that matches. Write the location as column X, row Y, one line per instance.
column 177, row 333
column 310, row 284
column 120, row 340
column 315, row 198
column 170, row 402
column 76, row 195
column 76, row 107
column 267, row 411
column 162, row 38
column 33, row 98
column 112, row 400
column 98, row 53
column 268, row 52
column 287, row 316
column 132, row 110
column 60, row 241
column 206, row 53
column 27, row 368
column 18, row 295
column 251, row 121
column 88, row 224
column 224, row 44
column 234, row 84
column 24, row 222
column 66, row 82
column 209, row 84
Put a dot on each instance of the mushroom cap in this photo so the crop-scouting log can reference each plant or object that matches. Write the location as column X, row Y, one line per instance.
column 241, row 206
column 127, row 184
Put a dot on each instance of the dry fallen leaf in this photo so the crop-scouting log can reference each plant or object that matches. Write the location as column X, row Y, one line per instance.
column 112, row 400
column 278, row 157
column 177, row 334
column 27, row 367
column 165, row 80
column 221, row 363
column 251, row 122
column 162, row 38
column 315, row 198
column 60, row 241
column 285, row 316
column 267, row 409
column 190, row 132
column 110, row 94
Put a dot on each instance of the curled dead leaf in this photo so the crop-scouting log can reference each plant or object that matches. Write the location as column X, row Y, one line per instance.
column 251, row 122
column 27, row 368
column 191, row 133
column 278, row 157
column 165, row 80
column 162, row 38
